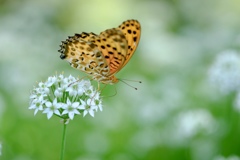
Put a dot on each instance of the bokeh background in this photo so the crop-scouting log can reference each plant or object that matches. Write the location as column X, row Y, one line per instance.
column 185, row 109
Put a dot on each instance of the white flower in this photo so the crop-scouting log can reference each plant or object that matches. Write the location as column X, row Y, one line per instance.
column 51, row 81
column 89, row 92
column 43, row 88
column 225, row 71
column 58, row 92
column 98, row 101
column 70, row 108
column 84, row 86
column 37, row 95
column 70, row 80
column 37, row 104
column 88, row 107
column 81, row 87
column 72, row 89
column 60, row 78
column 52, row 108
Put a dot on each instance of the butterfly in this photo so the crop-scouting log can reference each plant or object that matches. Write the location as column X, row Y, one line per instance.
column 102, row 56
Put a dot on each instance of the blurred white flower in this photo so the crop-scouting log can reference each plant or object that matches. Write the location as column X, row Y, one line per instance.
column 225, row 71
column 237, row 102
column 232, row 157
column 189, row 123
column 61, row 96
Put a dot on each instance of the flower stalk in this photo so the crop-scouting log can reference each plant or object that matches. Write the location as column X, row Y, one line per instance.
column 63, row 140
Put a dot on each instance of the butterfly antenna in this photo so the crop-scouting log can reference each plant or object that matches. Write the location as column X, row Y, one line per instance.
column 131, row 80
column 129, row 84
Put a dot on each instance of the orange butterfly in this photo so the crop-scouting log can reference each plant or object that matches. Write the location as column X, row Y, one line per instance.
column 102, row 56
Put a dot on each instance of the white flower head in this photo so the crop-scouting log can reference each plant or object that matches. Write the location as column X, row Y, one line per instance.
column 65, row 97
column 225, row 72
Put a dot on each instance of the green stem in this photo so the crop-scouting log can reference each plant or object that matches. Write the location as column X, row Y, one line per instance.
column 63, row 139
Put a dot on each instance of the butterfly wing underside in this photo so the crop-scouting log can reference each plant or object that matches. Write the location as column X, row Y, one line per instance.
column 103, row 55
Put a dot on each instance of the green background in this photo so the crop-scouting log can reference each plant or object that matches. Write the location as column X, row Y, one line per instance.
column 174, row 114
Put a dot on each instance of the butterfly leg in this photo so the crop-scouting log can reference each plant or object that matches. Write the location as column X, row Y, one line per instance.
column 98, row 86
column 76, row 81
column 99, row 89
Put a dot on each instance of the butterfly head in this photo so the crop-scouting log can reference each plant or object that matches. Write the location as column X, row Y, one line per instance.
column 113, row 79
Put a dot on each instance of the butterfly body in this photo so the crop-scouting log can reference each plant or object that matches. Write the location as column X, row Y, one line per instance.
column 102, row 56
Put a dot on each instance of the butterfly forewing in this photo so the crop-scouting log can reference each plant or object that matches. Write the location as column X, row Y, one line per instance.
column 132, row 32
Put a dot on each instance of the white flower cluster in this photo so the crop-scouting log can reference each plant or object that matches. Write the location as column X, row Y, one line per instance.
column 225, row 71
column 225, row 74
column 65, row 97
